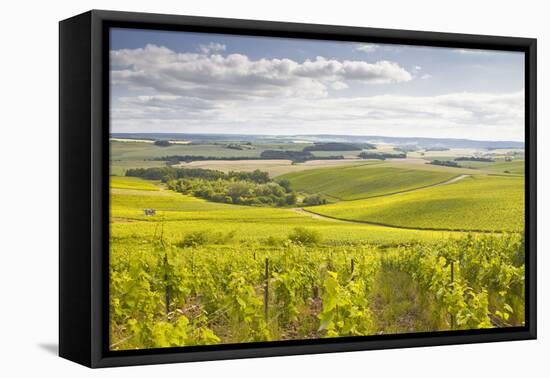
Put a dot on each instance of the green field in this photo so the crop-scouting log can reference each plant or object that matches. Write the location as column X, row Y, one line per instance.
column 182, row 214
column 366, row 180
column 117, row 182
column 120, row 167
column 485, row 203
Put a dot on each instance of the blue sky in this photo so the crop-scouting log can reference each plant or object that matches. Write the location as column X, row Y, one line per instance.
column 210, row 83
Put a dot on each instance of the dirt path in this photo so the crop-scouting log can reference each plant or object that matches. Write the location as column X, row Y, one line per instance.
column 302, row 211
column 455, row 179
column 447, row 182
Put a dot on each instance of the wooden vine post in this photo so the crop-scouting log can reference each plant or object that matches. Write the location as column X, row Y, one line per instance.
column 166, row 284
column 266, row 289
column 452, row 281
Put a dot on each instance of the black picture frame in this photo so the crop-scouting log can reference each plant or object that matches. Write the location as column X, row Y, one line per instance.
column 84, row 192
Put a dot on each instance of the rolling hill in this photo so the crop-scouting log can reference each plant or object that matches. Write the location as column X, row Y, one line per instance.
column 484, row 203
column 363, row 181
column 178, row 215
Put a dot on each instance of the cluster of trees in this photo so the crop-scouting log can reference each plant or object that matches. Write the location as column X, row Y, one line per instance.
column 236, row 146
column 381, row 155
column 474, row 158
column 314, row 200
column 166, row 174
column 240, row 146
column 446, row 163
column 162, row 143
column 235, row 191
column 242, row 188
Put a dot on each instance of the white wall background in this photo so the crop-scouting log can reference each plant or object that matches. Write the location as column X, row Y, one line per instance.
column 29, row 187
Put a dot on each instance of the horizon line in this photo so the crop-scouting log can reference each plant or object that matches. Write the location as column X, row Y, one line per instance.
column 321, row 134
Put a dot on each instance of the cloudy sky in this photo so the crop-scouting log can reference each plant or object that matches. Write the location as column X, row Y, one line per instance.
column 210, row 83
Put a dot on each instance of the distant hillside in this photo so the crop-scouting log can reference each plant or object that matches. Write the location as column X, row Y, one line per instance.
column 421, row 143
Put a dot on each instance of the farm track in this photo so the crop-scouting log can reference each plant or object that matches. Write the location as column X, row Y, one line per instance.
column 332, row 219
column 446, row 182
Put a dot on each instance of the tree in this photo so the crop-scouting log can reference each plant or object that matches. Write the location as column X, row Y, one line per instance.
column 314, row 200
column 285, row 184
column 259, row 176
column 238, row 189
column 291, row 198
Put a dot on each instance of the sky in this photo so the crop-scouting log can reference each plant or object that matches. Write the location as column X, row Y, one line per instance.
column 181, row 82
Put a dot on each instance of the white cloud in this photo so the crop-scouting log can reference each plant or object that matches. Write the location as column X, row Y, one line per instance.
column 235, row 76
column 212, row 48
column 457, row 115
column 159, row 90
column 479, row 52
column 338, row 85
column 366, row 47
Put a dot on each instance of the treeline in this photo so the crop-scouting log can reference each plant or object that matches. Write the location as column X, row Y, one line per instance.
column 336, row 146
column 381, row 155
column 446, row 163
column 241, row 188
column 174, row 159
column 295, row 156
column 241, row 146
column 166, row 174
column 473, row 158
column 234, row 191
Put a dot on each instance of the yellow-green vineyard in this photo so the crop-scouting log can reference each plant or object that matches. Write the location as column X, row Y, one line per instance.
column 198, row 272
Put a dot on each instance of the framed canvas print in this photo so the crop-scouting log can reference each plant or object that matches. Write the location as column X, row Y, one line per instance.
column 234, row 188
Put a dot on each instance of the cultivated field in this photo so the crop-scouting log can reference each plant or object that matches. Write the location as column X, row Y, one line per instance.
column 475, row 203
column 365, row 180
